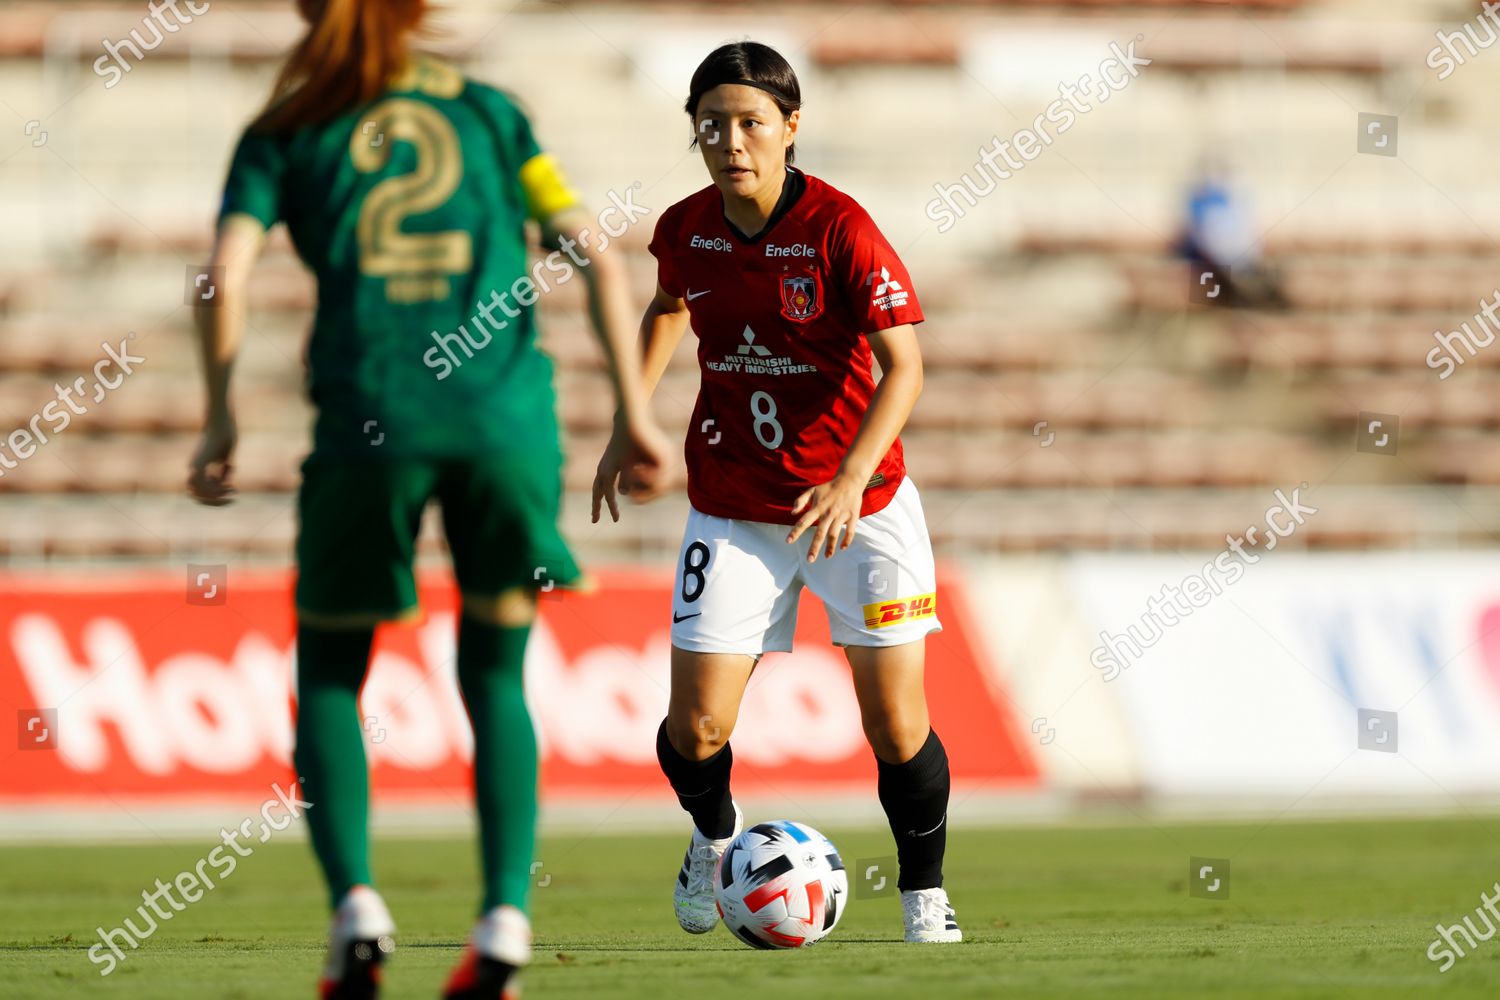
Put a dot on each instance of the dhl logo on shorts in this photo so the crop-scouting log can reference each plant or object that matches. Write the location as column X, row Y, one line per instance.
column 884, row 613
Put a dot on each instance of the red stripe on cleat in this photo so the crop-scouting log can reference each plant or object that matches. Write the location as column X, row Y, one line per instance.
column 465, row 977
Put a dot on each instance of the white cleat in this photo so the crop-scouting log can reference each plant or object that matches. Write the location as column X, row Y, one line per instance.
column 693, row 895
column 361, row 939
column 504, row 934
column 498, row 947
column 929, row 917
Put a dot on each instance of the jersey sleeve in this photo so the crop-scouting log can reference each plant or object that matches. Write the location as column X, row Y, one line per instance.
column 667, row 274
column 254, row 184
column 871, row 278
column 542, row 179
column 543, row 184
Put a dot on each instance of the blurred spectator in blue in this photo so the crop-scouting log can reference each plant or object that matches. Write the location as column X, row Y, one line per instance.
column 1220, row 238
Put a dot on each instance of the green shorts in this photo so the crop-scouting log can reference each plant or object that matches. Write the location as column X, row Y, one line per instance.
column 359, row 518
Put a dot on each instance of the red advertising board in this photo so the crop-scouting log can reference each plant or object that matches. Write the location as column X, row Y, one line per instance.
column 152, row 686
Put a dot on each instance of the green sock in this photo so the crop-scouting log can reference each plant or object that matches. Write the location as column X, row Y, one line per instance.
column 330, row 754
column 505, row 757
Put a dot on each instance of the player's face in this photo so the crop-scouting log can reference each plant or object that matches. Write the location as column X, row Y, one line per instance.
column 743, row 138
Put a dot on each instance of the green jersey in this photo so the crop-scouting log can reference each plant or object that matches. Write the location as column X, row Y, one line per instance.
column 410, row 211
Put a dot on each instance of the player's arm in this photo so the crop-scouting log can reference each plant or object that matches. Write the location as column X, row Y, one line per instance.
column 661, row 330
column 895, row 396
column 837, row 502
column 551, row 200
column 662, row 327
column 220, row 322
column 609, row 308
column 636, row 440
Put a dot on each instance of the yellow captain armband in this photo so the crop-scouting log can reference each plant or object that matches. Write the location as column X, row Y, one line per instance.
column 547, row 190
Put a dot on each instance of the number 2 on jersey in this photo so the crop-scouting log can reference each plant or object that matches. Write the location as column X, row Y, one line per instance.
column 414, row 265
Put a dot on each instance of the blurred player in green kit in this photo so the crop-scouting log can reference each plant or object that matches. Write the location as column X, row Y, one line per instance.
column 406, row 187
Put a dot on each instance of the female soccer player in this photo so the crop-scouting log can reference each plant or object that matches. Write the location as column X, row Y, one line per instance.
column 790, row 289
column 406, row 188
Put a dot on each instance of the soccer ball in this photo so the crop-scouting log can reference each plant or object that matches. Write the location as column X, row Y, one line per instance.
column 781, row 885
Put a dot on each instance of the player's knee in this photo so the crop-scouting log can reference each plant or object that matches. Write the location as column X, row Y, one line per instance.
column 895, row 737
column 508, row 609
column 697, row 734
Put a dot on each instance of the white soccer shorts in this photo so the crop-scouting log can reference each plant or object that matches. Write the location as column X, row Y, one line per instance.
column 738, row 582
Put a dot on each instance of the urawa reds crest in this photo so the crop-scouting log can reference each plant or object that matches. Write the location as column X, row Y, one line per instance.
column 801, row 296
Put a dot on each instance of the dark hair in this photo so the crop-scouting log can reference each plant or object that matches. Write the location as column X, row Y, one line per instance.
column 749, row 64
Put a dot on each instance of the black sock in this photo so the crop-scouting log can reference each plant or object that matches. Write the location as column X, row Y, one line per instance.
column 702, row 786
column 915, row 798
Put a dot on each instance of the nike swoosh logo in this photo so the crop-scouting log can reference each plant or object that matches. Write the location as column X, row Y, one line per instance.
column 913, row 833
column 676, row 619
column 691, row 296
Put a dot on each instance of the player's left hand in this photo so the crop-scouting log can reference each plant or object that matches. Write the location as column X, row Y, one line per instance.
column 636, row 463
column 210, row 472
column 833, row 507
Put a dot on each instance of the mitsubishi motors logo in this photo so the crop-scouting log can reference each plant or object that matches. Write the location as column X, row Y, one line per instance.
column 888, row 294
column 750, row 344
column 886, row 284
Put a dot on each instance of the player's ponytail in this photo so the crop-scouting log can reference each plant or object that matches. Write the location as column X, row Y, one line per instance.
column 751, row 64
column 351, row 51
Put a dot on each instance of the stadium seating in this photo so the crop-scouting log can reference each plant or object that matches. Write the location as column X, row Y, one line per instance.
column 1074, row 396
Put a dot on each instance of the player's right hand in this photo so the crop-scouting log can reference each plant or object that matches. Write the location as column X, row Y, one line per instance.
column 635, row 464
column 210, row 471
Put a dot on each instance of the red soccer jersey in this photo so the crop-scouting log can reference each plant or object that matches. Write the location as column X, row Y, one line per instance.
column 781, row 323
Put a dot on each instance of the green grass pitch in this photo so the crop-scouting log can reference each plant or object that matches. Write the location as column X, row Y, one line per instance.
column 1329, row 909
